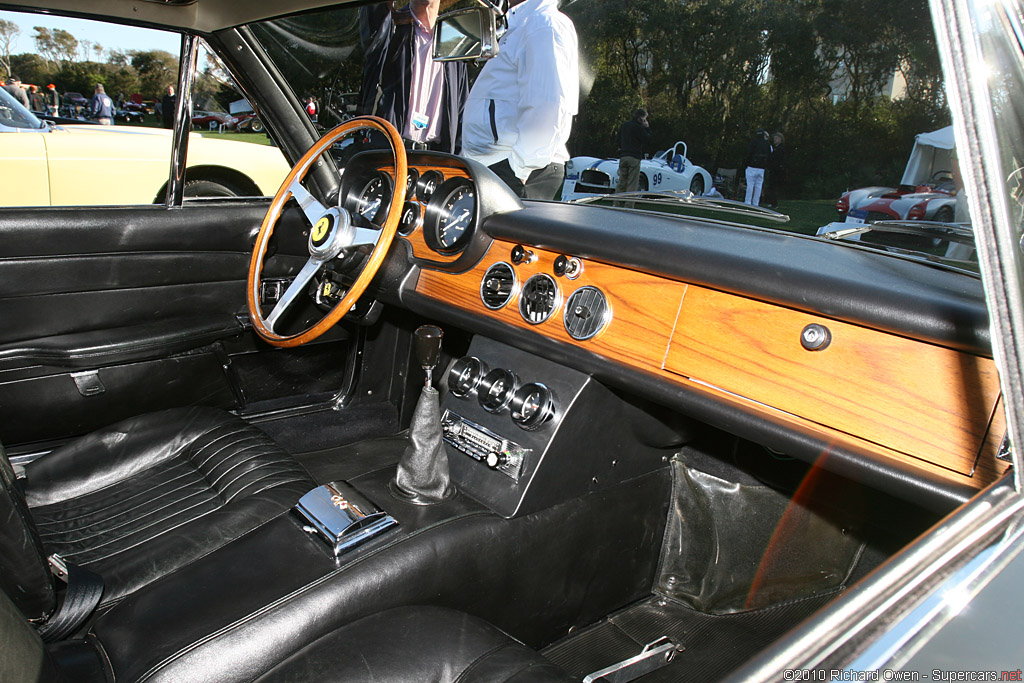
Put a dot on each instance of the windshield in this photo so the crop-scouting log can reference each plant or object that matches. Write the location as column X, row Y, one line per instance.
column 801, row 110
column 14, row 115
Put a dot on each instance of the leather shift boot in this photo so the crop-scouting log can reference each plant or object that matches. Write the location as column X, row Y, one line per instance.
column 423, row 476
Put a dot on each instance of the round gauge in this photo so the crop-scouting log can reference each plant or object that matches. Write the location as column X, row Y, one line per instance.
column 465, row 375
column 410, row 218
column 532, row 405
column 496, row 389
column 427, row 185
column 374, row 198
column 448, row 224
column 412, row 178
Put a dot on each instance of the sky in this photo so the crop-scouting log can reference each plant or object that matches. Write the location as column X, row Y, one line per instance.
column 110, row 36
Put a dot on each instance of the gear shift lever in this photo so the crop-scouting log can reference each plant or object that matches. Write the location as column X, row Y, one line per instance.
column 427, row 341
column 422, row 477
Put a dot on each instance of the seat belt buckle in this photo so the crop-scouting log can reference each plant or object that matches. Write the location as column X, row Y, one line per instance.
column 58, row 567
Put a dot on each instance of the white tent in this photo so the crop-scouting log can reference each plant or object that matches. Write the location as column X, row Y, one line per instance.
column 932, row 153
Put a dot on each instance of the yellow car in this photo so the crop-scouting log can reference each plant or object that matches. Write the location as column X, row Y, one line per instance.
column 86, row 164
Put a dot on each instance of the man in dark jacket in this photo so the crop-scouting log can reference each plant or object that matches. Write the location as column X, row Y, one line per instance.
column 633, row 134
column 52, row 100
column 776, row 171
column 13, row 86
column 402, row 83
column 167, row 106
column 101, row 107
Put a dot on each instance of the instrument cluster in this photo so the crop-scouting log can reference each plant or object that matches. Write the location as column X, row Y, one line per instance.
column 443, row 207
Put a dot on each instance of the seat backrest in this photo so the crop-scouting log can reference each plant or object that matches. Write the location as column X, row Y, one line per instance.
column 24, row 573
column 25, row 658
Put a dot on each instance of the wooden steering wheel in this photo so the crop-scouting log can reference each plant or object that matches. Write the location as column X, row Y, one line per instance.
column 331, row 233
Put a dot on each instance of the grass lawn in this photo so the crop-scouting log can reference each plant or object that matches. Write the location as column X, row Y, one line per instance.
column 807, row 215
column 255, row 138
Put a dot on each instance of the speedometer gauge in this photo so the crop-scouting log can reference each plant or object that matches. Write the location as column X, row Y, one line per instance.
column 450, row 216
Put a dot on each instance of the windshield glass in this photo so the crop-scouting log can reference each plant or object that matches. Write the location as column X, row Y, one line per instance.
column 795, row 109
column 13, row 114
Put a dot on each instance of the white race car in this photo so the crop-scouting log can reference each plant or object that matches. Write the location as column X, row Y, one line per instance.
column 668, row 170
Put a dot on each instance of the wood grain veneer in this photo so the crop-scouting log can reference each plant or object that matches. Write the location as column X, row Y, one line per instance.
column 643, row 314
column 903, row 400
column 924, row 400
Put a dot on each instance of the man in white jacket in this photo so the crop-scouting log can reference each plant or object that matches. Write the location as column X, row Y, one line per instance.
column 520, row 109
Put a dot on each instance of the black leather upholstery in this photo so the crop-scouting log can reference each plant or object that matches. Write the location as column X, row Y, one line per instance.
column 151, row 494
column 241, row 610
column 24, row 574
column 416, row 645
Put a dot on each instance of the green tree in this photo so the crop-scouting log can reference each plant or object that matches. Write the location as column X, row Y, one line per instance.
column 55, row 45
column 9, row 31
column 156, row 70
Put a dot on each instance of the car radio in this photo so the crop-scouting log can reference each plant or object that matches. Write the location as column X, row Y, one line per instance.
column 483, row 445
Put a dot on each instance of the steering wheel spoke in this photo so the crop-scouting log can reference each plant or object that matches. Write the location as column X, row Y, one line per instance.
column 309, row 204
column 333, row 230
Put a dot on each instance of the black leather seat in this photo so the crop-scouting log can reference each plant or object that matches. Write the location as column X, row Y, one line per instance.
column 417, row 645
column 140, row 499
column 401, row 645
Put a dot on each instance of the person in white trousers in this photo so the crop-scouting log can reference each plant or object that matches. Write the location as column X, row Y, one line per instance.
column 758, row 152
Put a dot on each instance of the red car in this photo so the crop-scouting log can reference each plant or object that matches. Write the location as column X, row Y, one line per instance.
column 926, row 192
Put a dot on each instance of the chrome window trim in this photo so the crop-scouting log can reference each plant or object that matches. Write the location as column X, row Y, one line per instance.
column 182, row 121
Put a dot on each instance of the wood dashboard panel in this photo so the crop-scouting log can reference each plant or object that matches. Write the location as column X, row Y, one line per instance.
column 902, row 399
column 924, row 400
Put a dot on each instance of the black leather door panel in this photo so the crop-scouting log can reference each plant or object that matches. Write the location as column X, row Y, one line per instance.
column 52, row 407
column 141, row 295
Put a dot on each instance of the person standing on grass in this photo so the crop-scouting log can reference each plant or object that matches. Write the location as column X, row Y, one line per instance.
column 633, row 134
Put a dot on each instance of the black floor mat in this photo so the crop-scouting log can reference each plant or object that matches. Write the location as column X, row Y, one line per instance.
column 327, row 428
column 715, row 644
column 346, row 462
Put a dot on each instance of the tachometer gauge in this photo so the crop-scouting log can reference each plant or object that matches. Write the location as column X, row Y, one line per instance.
column 374, row 198
column 450, row 216
column 427, row 185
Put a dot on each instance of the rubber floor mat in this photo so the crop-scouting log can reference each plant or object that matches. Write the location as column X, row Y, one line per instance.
column 715, row 644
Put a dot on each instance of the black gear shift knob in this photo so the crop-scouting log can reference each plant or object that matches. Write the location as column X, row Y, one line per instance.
column 427, row 343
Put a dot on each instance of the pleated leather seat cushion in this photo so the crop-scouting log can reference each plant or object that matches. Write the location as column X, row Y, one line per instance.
column 137, row 500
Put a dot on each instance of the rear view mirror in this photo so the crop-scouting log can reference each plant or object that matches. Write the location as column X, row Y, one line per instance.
column 465, row 34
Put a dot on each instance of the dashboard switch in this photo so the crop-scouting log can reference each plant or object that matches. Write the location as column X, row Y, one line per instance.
column 561, row 265
column 521, row 254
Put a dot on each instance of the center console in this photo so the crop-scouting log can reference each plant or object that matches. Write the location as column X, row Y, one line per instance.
column 523, row 433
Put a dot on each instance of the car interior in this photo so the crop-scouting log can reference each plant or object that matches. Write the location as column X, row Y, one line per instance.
column 395, row 423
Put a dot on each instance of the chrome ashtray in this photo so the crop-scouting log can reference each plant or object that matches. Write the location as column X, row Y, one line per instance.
column 341, row 516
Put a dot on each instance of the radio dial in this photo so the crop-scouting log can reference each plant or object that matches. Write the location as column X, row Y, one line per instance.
column 495, row 460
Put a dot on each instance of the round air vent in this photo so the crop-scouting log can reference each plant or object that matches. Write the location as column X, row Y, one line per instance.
column 586, row 313
column 498, row 285
column 539, row 298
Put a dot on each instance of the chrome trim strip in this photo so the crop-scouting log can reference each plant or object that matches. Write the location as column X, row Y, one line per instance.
column 998, row 250
column 182, row 121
